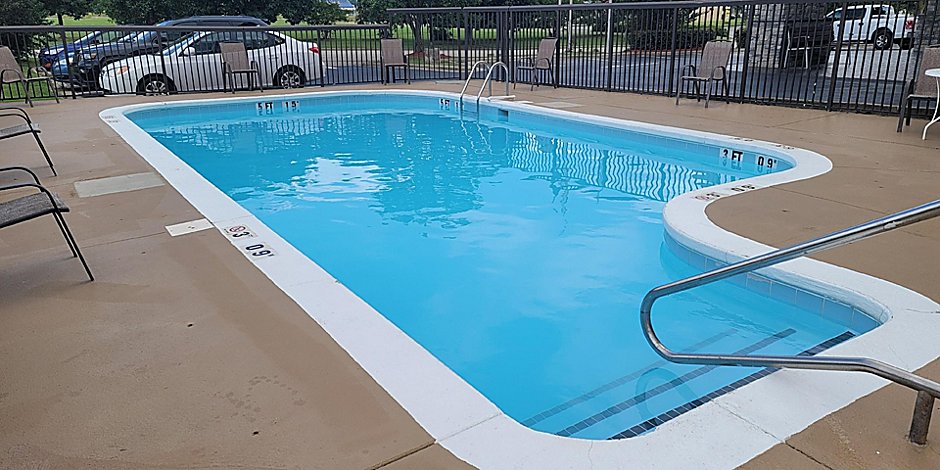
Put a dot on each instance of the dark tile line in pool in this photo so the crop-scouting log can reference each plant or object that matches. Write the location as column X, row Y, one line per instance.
column 620, row 381
column 821, row 305
column 651, row 423
column 663, row 388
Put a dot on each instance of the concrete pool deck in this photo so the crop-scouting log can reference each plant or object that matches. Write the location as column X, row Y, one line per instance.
column 111, row 374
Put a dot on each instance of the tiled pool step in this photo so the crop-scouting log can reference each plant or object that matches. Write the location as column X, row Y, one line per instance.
column 662, row 418
column 646, row 397
column 619, row 382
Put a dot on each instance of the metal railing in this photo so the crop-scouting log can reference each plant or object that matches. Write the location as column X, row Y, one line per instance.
column 787, row 52
column 187, row 59
column 466, row 83
column 488, row 80
column 927, row 390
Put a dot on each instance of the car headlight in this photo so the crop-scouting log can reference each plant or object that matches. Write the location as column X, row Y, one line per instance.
column 89, row 56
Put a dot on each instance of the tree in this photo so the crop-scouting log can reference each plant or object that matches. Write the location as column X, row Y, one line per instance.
column 154, row 11
column 22, row 12
column 73, row 8
column 374, row 11
column 34, row 12
column 312, row 12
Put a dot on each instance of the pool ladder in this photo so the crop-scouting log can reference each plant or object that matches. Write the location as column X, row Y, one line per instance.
column 927, row 390
column 486, row 81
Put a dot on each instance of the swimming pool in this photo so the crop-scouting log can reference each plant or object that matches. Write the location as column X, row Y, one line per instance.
column 514, row 245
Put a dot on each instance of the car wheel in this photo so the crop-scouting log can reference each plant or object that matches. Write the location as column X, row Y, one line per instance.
column 882, row 39
column 155, row 85
column 290, row 77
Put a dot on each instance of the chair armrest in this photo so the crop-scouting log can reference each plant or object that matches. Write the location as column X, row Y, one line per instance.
column 28, row 122
column 37, row 186
column 15, row 73
column 22, row 169
column 39, row 72
column 716, row 69
column 22, row 112
column 687, row 67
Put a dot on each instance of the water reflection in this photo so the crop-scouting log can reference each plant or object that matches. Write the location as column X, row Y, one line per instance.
column 419, row 168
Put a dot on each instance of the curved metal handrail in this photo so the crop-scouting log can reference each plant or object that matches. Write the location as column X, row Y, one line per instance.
column 489, row 74
column 927, row 390
column 470, row 77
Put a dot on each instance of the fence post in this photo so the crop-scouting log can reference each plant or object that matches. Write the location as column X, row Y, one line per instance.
column 672, row 59
column 68, row 61
column 557, row 64
column 610, row 48
column 835, row 60
column 749, row 29
column 467, row 33
column 320, row 59
column 162, row 46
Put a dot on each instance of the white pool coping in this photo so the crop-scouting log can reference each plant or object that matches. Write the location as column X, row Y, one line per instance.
column 723, row 433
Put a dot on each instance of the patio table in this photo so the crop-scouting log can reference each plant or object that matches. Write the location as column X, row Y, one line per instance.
column 935, row 73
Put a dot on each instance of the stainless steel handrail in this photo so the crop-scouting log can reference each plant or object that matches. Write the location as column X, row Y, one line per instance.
column 489, row 75
column 466, row 83
column 927, row 390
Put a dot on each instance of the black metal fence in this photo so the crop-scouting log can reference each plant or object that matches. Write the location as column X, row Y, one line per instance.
column 141, row 59
column 848, row 56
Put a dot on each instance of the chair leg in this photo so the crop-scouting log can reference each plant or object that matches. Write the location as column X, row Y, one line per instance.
column 69, row 236
column 727, row 88
column 679, row 90
column 910, row 110
column 901, row 113
column 697, row 86
column 45, row 153
column 51, row 84
column 708, row 91
column 59, row 222
column 29, row 101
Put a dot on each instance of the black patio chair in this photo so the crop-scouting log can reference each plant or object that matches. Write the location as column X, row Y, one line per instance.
column 393, row 56
column 710, row 71
column 921, row 87
column 543, row 62
column 31, row 206
column 11, row 73
column 28, row 127
column 235, row 62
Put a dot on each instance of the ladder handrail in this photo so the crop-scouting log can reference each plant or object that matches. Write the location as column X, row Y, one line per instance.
column 486, row 80
column 927, row 389
column 470, row 77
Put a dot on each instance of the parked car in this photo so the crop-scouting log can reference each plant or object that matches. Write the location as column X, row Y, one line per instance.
column 195, row 64
column 89, row 61
column 52, row 54
column 881, row 25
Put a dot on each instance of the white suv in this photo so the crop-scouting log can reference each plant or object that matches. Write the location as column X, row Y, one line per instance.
column 880, row 25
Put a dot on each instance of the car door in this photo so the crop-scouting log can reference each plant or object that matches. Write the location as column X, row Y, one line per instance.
column 267, row 51
column 855, row 24
column 200, row 64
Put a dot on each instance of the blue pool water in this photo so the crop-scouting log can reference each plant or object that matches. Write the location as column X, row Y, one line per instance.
column 515, row 248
